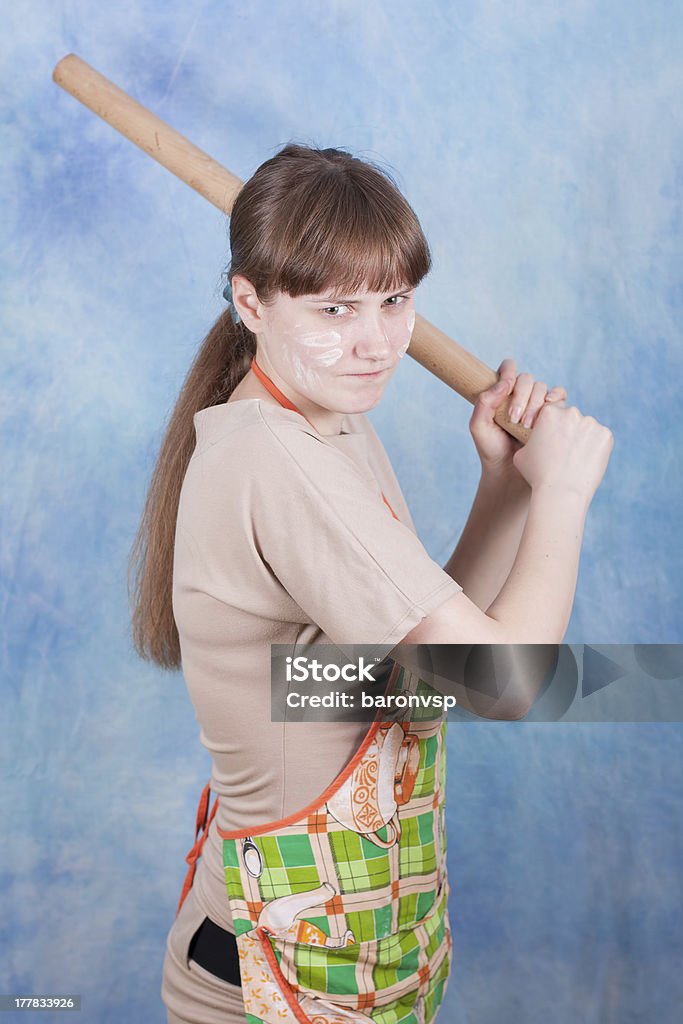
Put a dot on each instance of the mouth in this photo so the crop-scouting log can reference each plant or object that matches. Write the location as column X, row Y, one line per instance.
column 369, row 376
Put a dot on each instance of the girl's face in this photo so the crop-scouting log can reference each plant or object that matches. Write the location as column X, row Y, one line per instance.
column 336, row 351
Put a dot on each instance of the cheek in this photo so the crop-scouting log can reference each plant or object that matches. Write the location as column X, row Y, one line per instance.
column 314, row 349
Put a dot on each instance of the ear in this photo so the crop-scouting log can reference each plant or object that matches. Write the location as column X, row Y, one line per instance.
column 247, row 302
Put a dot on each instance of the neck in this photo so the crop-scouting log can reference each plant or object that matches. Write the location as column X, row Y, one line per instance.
column 326, row 421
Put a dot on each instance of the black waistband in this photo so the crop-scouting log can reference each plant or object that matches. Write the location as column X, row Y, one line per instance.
column 215, row 949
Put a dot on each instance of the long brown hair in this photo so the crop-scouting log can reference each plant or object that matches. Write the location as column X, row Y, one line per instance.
column 307, row 220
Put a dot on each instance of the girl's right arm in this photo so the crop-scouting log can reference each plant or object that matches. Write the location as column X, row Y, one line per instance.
column 534, row 604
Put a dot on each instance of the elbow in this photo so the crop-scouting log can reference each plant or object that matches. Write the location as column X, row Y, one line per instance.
column 505, row 680
column 506, row 632
column 504, row 712
column 518, row 713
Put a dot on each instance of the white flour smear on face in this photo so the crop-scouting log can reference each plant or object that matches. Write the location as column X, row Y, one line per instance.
column 317, row 349
column 410, row 324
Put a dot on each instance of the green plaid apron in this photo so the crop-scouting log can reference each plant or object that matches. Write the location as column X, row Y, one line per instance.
column 340, row 911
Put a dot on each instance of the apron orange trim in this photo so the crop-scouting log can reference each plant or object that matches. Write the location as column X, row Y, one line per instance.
column 242, row 833
column 347, row 770
column 389, row 507
column 284, row 987
column 202, row 823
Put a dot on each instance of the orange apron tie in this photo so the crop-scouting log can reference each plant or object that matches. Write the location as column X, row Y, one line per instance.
column 202, row 825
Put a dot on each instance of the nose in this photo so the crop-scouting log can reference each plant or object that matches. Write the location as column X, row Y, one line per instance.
column 373, row 340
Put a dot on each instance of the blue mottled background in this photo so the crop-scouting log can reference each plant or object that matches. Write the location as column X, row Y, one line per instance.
column 541, row 145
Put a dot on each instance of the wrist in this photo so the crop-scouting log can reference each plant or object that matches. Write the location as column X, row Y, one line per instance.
column 504, row 478
column 561, row 496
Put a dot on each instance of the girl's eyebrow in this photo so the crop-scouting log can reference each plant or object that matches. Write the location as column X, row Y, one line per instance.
column 336, row 301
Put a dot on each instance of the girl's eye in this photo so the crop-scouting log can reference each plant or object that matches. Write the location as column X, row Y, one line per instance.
column 328, row 309
column 393, row 301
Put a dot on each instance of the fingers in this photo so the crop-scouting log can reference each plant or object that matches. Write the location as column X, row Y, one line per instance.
column 556, row 394
column 535, row 403
column 495, row 395
column 529, row 397
column 520, row 396
column 482, row 418
column 508, row 371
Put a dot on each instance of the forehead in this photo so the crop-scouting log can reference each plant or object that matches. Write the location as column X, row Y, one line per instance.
column 339, row 292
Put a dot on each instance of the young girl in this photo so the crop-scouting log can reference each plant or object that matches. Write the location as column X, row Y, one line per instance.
column 274, row 517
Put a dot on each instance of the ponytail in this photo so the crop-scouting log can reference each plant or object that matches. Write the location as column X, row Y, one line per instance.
column 220, row 364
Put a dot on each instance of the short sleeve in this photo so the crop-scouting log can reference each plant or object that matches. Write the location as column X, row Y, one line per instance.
column 325, row 532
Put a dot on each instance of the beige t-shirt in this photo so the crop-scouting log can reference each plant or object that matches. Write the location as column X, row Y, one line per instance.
column 283, row 538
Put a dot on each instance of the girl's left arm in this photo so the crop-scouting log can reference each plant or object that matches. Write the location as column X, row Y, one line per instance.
column 489, row 543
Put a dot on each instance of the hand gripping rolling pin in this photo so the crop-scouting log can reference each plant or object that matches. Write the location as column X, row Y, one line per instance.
column 433, row 349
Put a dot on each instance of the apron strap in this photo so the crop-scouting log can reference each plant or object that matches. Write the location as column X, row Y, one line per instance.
column 389, row 507
column 202, row 825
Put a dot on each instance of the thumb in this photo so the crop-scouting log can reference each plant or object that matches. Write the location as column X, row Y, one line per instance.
column 495, row 395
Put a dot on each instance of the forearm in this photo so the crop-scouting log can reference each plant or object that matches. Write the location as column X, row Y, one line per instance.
column 484, row 555
column 535, row 602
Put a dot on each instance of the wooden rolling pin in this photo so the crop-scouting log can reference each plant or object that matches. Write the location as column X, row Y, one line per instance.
column 438, row 353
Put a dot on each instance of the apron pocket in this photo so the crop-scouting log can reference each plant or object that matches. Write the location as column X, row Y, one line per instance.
column 376, row 972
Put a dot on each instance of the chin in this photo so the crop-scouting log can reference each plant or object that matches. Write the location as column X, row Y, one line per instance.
column 362, row 403
column 358, row 398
